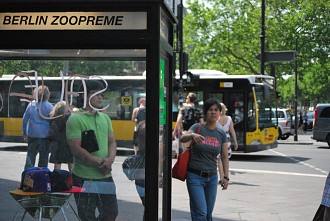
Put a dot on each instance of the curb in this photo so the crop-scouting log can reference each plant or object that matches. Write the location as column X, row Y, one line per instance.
column 14, row 148
column 296, row 142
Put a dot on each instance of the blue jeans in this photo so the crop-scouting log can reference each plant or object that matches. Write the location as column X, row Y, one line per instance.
column 35, row 146
column 202, row 194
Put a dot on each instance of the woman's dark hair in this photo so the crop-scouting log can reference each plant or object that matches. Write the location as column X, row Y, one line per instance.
column 91, row 85
column 210, row 102
column 192, row 97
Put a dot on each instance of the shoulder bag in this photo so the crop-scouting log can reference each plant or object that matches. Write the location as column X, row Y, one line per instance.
column 133, row 167
column 179, row 170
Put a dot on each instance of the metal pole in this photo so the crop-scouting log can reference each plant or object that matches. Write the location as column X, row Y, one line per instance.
column 296, row 93
column 180, row 45
column 181, row 62
column 262, row 39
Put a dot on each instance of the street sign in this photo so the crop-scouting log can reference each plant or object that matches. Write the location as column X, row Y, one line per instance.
column 278, row 56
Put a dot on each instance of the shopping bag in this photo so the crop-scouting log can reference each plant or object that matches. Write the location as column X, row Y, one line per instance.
column 179, row 170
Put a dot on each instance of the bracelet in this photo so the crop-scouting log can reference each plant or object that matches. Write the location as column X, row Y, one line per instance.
column 225, row 177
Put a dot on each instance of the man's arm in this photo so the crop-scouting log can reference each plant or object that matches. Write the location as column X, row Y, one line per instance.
column 177, row 129
column 112, row 146
column 106, row 166
column 26, row 118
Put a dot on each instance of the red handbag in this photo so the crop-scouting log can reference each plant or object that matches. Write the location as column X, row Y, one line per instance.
column 179, row 169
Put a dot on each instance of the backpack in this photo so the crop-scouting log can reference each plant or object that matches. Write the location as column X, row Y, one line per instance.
column 36, row 179
column 133, row 167
column 189, row 118
column 61, row 180
column 140, row 115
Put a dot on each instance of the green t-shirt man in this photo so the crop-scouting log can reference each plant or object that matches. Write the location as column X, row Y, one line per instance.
column 101, row 124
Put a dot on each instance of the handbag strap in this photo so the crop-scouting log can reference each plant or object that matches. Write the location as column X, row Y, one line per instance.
column 193, row 141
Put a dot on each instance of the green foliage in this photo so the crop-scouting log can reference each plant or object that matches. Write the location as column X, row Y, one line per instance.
column 225, row 35
column 53, row 67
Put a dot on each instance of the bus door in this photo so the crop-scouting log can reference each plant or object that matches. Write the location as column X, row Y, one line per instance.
column 236, row 105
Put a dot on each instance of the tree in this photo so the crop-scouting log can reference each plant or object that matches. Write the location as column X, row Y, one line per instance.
column 225, row 35
column 83, row 67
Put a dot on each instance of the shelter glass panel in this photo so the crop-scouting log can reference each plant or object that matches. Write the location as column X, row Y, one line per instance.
column 122, row 100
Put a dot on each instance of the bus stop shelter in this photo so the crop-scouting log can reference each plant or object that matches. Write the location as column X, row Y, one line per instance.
column 106, row 30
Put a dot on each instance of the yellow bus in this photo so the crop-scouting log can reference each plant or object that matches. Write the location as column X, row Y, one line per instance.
column 249, row 99
column 122, row 95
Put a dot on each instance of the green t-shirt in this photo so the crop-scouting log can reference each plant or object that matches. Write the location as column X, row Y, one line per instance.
column 101, row 124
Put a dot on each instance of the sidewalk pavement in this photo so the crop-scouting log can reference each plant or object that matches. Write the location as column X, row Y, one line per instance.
column 276, row 199
column 302, row 139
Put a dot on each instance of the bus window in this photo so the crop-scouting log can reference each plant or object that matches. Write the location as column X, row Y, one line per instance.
column 218, row 96
column 266, row 93
column 251, row 114
column 236, row 107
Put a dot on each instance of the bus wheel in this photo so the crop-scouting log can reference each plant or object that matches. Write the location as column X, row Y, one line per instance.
column 328, row 140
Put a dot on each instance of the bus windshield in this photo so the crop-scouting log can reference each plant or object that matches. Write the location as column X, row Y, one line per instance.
column 265, row 101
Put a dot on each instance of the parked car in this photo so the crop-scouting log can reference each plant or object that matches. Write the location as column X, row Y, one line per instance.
column 284, row 123
column 321, row 130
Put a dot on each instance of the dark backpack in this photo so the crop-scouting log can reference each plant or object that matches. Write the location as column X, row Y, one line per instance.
column 189, row 118
column 133, row 167
column 141, row 115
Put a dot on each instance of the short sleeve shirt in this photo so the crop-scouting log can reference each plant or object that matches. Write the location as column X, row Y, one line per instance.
column 191, row 118
column 198, row 111
column 204, row 156
column 35, row 122
column 101, row 124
